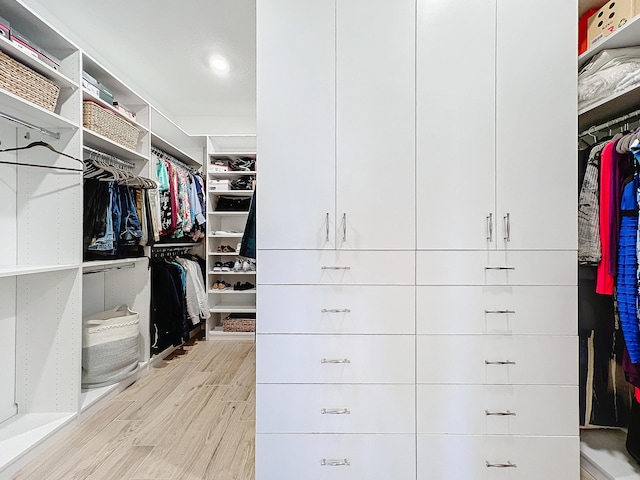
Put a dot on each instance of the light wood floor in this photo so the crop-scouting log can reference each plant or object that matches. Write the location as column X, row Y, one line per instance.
column 192, row 418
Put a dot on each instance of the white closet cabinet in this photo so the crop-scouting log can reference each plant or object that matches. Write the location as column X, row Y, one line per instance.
column 296, row 114
column 455, row 124
column 495, row 129
column 536, row 126
column 340, row 124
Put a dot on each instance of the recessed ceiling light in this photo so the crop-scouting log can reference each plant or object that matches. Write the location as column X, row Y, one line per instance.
column 219, row 64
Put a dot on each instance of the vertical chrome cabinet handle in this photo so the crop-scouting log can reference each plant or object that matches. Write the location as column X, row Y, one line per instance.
column 507, row 227
column 344, row 227
column 335, row 310
column 503, row 312
column 502, row 362
column 501, row 465
column 335, row 360
column 327, row 222
column 327, row 462
column 490, row 227
column 335, row 411
column 499, row 414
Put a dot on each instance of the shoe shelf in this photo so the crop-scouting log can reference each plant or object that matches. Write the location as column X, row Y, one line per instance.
column 228, row 214
column 230, row 291
column 232, row 193
column 226, row 235
column 233, row 273
column 231, row 174
column 16, row 270
column 230, row 308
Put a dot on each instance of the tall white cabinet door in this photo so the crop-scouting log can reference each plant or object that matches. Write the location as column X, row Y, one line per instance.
column 456, row 124
column 536, row 125
column 376, row 124
column 296, row 123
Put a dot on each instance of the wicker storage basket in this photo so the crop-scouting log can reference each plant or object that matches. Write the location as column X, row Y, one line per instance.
column 109, row 124
column 24, row 82
column 238, row 324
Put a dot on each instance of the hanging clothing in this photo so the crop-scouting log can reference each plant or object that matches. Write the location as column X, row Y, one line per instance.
column 605, row 281
column 589, row 247
column 196, row 294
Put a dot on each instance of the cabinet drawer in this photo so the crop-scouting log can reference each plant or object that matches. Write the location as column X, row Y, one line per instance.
column 448, row 457
column 497, row 309
column 497, row 267
column 336, row 267
column 497, row 359
column 499, row 410
column 335, row 408
column 336, row 309
column 335, row 359
column 336, row 457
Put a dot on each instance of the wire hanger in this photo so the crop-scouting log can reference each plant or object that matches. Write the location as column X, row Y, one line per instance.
column 40, row 143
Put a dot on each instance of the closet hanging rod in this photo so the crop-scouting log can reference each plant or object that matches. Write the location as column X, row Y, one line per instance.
column 50, row 167
column 596, row 128
column 6, row 116
column 171, row 158
column 110, row 157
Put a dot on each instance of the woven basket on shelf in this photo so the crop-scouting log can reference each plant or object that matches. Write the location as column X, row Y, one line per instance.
column 25, row 83
column 109, row 124
column 238, row 324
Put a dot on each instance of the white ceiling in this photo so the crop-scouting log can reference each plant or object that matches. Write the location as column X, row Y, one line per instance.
column 162, row 47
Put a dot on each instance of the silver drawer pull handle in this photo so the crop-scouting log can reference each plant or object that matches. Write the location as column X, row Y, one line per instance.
column 499, row 311
column 501, row 465
column 502, row 362
column 499, row 414
column 335, row 463
column 336, row 268
column 499, row 268
column 335, row 411
column 327, row 223
column 335, row 360
column 507, row 227
column 335, row 310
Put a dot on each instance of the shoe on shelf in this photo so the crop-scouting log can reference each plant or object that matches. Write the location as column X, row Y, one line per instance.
column 248, row 266
column 227, row 266
column 243, row 286
column 237, row 266
column 217, row 267
column 216, row 285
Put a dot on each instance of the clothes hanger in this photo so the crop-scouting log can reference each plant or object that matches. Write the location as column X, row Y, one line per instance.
column 40, row 143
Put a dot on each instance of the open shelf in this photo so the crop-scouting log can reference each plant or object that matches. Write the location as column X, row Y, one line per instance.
column 99, row 142
column 90, row 97
column 30, row 112
column 608, row 108
column 604, row 455
column 231, row 291
column 232, row 273
column 626, row 36
column 25, row 431
column 228, row 214
column 231, row 174
column 233, row 193
column 15, row 270
column 217, row 334
column 42, row 68
column 230, row 308
column 227, row 235
column 172, row 150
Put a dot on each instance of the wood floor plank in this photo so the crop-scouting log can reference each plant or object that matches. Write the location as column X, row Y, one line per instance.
column 121, row 463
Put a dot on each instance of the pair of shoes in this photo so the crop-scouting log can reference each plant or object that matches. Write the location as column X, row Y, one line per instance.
column 220, row 285
column 243, row 286
column 237, row 266
column 217, row 267
column 248, row 266
column 227, row 266
column 225, row 249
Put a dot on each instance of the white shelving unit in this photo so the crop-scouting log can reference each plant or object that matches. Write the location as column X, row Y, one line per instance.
column 228, row 301
column 40, row 276
column 603, row 452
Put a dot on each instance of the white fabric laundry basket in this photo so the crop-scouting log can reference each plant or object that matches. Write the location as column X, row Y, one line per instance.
column 110, row 346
